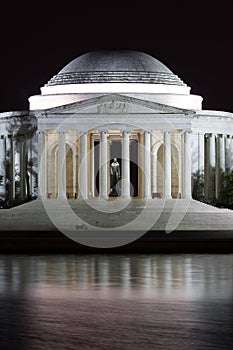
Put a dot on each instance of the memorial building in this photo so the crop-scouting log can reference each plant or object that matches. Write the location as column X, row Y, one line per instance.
column 114, row 124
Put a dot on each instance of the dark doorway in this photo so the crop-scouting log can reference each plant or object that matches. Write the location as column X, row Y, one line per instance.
column 96, row 167
column 134, row 168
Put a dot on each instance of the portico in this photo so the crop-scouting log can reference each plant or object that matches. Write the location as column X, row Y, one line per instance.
column 154, row 162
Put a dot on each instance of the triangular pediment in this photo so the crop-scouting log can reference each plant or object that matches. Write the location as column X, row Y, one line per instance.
column 116, row 104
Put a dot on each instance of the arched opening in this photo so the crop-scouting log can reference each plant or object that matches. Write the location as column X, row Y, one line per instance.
column 52, row 172
column 175, row 171
column 69, row 172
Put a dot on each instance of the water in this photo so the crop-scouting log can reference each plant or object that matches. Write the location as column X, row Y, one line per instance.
column 116, row 302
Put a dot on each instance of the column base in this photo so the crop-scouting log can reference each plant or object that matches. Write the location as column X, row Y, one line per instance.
column 188, row 197
column 147, row 196
column 125, row 197
column 167, row 196
column 61, row 196
column 42, row 197
column 104, row 196
column 82, row 197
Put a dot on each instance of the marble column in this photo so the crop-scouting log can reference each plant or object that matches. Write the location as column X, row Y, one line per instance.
column 13, row 149
column 221, row 165
column 178, row 143
column 231, row 166
column 147, row 166
column 125, row 165
column 187, row 194
column 206, row 168
column 103, row 167
column 10, row 178
column 29, row 148
column 61, row 164
column 181, row 157
column 222, row 159
column 167, row 165
column 211, row 163
column 34, row 166
column 92, row 167
column 82, row 171
column 201, row 152
column 2, row 168
column 23, row 168
column 154, row 159
column 154, row 171
column 228, row 155
column 42, row 164
column 74, row 173
column 109, row 170
column 10, row 167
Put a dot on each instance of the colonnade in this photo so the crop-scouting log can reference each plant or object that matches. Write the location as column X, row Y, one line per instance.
column 17, row 179
column 218, row 162
column 214, row 153
column 147, row 164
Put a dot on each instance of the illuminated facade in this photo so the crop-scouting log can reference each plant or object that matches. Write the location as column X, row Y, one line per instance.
column 114, row 104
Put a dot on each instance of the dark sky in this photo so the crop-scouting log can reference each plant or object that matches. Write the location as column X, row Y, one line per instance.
column 195, row 42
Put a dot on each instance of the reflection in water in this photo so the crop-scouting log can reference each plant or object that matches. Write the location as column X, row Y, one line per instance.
column 116, row 302
column 178, row 276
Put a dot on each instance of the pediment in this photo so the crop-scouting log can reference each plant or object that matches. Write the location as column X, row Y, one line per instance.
column 116, row 104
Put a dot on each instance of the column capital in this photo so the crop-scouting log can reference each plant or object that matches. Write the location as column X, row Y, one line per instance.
column 102, row 132
column 82, row 133
column 186, row 132
column 146, row 132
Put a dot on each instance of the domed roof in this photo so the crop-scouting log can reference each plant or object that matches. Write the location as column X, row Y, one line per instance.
column 115, row 66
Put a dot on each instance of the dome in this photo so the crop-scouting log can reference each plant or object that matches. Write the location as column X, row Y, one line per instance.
column 123, row 72
column 120, row 66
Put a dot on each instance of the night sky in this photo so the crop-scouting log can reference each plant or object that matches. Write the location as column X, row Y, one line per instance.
column 195, row 42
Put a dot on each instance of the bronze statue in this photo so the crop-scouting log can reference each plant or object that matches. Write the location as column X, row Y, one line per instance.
column 115, row 173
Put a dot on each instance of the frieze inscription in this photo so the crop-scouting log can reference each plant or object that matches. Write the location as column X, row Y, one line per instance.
column 113, row 107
